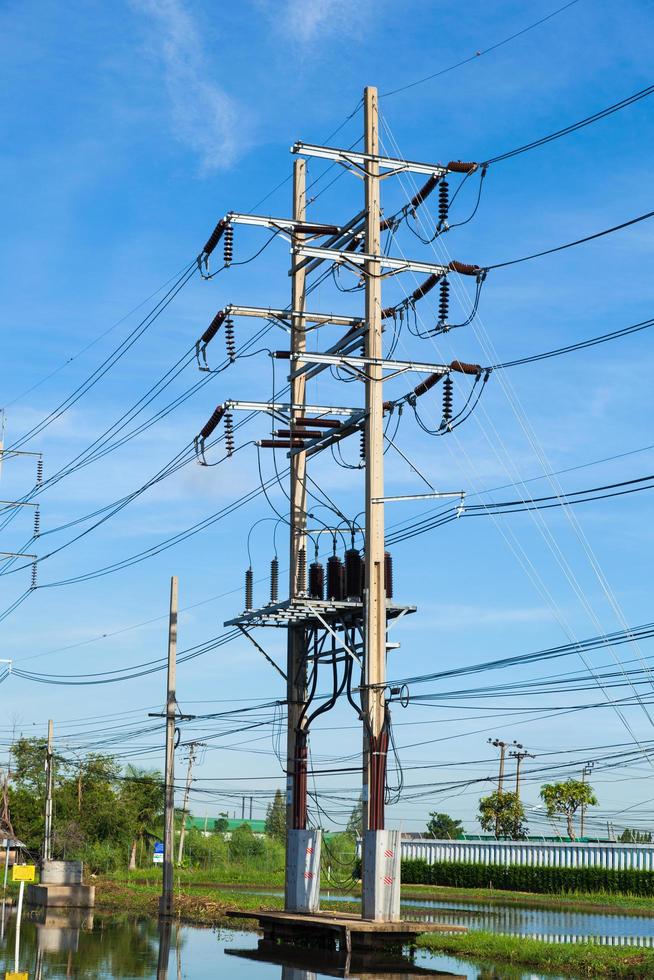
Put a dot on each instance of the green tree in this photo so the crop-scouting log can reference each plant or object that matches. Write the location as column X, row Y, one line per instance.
column 276, row 817
column 635, row 836
column 502, row 814
column 355, row 823
column 443, row 827
column 142, row 797
column 564, row 799
column 244, row 845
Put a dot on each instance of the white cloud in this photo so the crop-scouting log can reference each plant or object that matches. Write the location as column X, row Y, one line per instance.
column 307, row 20
column 204, row 116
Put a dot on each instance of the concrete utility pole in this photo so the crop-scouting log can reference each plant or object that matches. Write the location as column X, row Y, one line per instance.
column 519, row 756
column 586, row 771
column 502, row 746
column 296, row 663
column 166, row 904
column 187, row 790
column 49, row 775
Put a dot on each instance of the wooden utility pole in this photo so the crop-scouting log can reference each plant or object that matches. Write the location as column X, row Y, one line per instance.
column 374, row 755
column 47, row 840
column 187, row 790
column 166, row 904
column 296, row 650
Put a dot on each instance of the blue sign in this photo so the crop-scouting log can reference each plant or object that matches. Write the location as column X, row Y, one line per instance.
column 158, row 855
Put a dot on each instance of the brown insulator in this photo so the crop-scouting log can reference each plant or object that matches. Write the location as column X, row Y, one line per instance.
column 459, row 167
column 33, row 582
column 318, row 423
column 424, row 191
column 228, row 245
column 316, row 580
column 213, row 327
column 334, row 578
column 274, row 580
column 281, row 443
column 248, row 588
column 39, row 471
column 464, row 368
column 297, row 434
column 208, row 428
column 388, row 574
column 214, row 237
column 426, row 286
column 464, row 269
column 448, row 385
column 282, row 355
column 302, row 571
column 353, row 573
column 37, row 522
column 428, row 383
column 362, row 445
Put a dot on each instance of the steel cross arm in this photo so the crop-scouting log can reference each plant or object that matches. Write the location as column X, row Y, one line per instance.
column 351, row 231
column 361, row 159
column 284, row 224
column 333, row 436
column 343, row 346
column 360, row 259
column 267, row 313
column 351, row 360
column 232, row 405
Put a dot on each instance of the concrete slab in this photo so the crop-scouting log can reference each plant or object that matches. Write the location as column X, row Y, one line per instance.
column 61, row 896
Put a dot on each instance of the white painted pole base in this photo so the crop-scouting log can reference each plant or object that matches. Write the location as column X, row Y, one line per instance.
column 302, row 890
column 381, row 875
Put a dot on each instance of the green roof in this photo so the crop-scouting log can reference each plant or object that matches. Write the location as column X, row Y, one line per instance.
column 209, row 823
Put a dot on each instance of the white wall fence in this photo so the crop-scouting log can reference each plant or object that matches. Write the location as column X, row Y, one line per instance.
column 546, row 854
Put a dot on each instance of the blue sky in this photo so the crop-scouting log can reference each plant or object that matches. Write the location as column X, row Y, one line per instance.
column 132, row 128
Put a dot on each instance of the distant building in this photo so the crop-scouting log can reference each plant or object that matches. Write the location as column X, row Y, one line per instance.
column 211, row 825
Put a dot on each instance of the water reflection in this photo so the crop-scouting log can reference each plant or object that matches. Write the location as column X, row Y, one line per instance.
column 299, row 963
column 62, row 944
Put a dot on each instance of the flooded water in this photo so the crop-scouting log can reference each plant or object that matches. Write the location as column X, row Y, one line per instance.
column 551, row 925
column 72, row 943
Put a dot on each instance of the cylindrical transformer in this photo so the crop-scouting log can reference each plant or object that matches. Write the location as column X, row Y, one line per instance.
column 334, row 578
column 248, row 588
column 353, row 565
column 316, row 580
column 274, row 580
column 388, row 574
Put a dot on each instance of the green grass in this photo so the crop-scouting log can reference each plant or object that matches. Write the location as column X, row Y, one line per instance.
column 578, row 960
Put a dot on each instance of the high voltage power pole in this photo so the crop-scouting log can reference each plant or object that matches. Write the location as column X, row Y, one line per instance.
column 344, row 620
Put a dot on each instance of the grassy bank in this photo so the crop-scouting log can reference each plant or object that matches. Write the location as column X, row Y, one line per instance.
column 607, row 903
column 204, row 905
column 578, row 960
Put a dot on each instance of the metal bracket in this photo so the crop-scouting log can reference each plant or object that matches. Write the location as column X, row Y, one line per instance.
column 261, row 650
column 347, row 650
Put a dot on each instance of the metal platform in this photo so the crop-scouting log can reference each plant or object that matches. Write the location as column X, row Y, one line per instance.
column 346, row 932
column 312, row 613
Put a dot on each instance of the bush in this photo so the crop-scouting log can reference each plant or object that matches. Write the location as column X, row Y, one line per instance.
column 515, row 877
column 102, row 857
